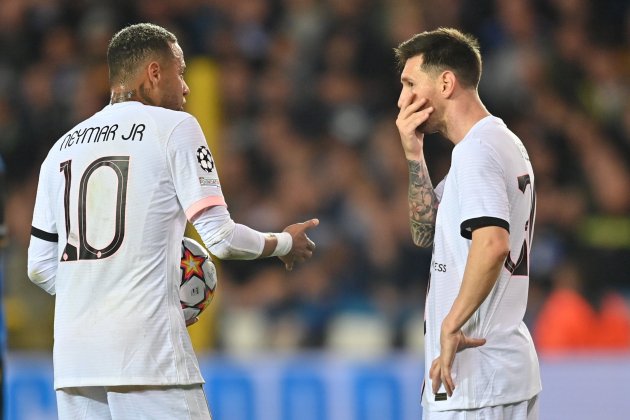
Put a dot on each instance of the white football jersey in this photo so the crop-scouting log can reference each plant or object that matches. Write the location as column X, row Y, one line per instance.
column 490, row 183
column 115, row 192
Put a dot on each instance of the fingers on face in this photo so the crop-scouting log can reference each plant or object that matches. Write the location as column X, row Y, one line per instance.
column 415, row 117
column 422, row 116
column 412, row 106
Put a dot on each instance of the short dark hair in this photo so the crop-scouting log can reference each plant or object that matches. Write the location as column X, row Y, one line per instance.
column 133, row 45
column 441, row 49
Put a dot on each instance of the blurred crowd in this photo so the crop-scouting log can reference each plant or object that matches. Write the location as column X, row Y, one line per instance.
column 307, row 92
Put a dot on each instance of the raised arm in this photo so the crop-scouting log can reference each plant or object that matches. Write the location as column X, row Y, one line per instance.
column 422, row 199
column 228, row 240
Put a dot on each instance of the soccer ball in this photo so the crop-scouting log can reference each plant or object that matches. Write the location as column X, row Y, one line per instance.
column 198, row 278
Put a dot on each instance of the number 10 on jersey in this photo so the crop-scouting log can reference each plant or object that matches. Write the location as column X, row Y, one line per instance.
column 84, row 250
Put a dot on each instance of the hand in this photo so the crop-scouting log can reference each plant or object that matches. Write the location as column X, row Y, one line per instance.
column 303, row 247
column 450, row 344
column 410, row 117
column 192, row 321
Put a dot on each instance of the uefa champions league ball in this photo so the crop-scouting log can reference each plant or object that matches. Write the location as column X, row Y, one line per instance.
column 198, row 279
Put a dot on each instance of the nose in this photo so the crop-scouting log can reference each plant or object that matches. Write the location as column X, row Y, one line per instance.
column 186, row 89
column 404, row 94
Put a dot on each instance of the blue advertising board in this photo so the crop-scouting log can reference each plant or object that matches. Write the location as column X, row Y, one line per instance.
column 319, row 386
column 304, row 387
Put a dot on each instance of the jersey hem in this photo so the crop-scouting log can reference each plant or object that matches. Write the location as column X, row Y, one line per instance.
column 138, row 381
column 433, row 407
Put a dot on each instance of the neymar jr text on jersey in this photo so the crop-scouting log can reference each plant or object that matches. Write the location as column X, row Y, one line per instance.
column 105, row 133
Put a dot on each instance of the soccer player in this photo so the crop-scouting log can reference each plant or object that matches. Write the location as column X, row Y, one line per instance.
column 112, row 202
column 479, row 220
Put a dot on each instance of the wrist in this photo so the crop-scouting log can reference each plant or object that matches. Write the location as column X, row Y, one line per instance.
column 449, row 327
column 417, row 156
column 284, row 245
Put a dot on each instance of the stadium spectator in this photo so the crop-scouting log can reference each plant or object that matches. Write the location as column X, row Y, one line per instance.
column 319, row 71
column 582, row 315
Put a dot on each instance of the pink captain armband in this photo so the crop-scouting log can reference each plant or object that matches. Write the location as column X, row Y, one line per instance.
column 204, row 203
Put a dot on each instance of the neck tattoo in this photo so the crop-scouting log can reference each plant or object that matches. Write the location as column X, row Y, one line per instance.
column 122, row 96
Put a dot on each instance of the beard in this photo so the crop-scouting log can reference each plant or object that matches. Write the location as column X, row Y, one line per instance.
column 430, row 126
column 173, row 102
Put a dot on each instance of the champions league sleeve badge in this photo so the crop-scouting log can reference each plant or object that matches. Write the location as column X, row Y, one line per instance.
column 204, row 157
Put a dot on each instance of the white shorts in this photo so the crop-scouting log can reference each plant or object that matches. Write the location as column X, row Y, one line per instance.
column 187, row 402
column 524, row 410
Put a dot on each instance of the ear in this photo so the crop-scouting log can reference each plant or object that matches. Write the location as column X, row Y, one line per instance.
column 447, row 82
column 154, row 73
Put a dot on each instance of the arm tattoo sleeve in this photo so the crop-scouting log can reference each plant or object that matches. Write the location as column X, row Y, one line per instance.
column 422, row 204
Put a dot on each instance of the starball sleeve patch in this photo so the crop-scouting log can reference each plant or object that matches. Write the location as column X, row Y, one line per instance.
column 204, row 157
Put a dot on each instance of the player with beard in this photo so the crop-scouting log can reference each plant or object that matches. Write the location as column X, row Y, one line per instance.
column 479, row 220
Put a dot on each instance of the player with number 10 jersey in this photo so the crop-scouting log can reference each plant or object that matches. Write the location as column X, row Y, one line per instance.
column 115, row 183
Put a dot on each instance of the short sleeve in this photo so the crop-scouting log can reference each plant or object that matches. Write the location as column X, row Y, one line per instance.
column 193, row 169
column 483, row 198
column 439, row 189
column 44, row 224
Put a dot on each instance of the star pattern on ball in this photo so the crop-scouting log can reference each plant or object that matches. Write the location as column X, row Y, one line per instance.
column 204, row 157
column 192, row 265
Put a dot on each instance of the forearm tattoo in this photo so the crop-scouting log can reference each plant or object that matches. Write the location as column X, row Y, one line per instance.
column 422, row 204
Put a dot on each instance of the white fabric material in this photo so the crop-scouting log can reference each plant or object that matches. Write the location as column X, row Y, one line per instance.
column 524, row 410
column 121, row 183
column 226, row 239
column 482, row 187
column 42, row 263
column 187, row 402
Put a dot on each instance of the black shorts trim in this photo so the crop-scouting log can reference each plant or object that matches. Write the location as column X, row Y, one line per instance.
column 46, row 236
column 467, row 226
